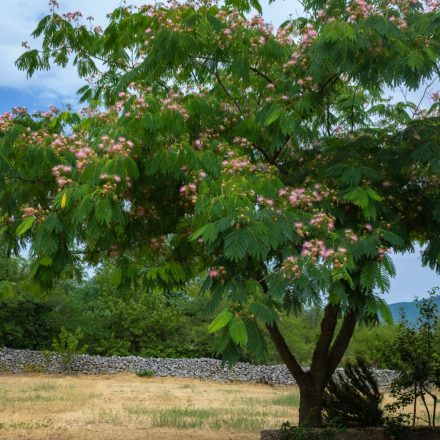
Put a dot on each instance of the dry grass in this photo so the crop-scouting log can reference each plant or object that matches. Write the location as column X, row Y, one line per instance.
column 126, row 406
column 37, row 406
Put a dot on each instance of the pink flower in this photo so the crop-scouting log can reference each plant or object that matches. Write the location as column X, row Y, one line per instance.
column 213, row 273
column 325, row 253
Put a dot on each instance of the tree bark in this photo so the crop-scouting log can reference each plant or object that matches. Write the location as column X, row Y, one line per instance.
column 310, row 404
column 286, row 355
column 325, row 360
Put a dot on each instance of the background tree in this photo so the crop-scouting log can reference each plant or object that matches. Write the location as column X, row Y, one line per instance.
column 417, row 361
column 265, row 157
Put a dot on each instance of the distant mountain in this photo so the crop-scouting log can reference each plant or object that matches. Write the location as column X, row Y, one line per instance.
column 410, row 309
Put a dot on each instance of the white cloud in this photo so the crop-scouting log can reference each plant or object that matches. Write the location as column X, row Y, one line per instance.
column 17, row 21
column 20, row 17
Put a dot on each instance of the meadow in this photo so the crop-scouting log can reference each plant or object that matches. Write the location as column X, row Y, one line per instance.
column 125, row 406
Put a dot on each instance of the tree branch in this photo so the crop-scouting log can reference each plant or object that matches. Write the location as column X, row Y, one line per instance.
column 263, row 75
column 283, row 349
column 7, row 176
column 329, row 82
column 341, row 342
column 286, row 355
column 264, row 153
column 328, row 326
column 237, row 104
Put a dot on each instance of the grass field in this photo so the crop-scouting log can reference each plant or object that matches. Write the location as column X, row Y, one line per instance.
column 127, row 407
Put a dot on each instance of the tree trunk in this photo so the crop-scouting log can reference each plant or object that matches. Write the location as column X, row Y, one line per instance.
column 310, row 405
column 326, row 357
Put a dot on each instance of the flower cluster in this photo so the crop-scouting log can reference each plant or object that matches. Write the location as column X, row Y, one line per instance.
column 171, row 103
column 316, row 248
column 114, row 250
column 291, row 268
column 351, row 236
column 433, row 5
column 358, row 9
column 241, row 142
column 189, row 191
column 265, row 201
column 60, row 172
column 6, row 120
column 137, row 105
column 300, row 197
column 237, row 165
column 120, row 146
column 382, row 251
column 315, row 251
column 29, row 212
column 157, row 244
column 217, row 273
column 284, row 35
column 72, row 16
column 83, row 154
column 322, row 220
column 306, row 38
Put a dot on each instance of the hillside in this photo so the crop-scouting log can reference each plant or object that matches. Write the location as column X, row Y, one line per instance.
column 410, row 309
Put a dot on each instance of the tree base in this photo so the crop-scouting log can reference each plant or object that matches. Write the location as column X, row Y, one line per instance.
column 418, row 433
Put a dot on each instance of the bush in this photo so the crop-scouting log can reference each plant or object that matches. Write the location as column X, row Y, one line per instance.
column 67, row 345
column 145, row 373
column 353, row 399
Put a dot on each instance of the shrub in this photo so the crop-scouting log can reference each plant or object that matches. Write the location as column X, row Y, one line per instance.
column 353, row 399
column 146, row 373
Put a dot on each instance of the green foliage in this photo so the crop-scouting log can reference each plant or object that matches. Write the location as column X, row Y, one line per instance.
column 373, row 344
column 397, row 427
column 145, row 373
column 289, row 432
column 215, row 144
column 417, row 361
column 353, row 399
column 67, row 344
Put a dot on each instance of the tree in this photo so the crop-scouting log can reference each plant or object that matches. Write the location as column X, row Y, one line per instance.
column 214, row 143
column 417, row 361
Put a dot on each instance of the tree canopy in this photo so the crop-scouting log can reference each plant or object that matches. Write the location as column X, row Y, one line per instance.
column 266, row 160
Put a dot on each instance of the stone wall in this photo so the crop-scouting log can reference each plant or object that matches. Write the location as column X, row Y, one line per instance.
column 419, row 433
column 21, row 361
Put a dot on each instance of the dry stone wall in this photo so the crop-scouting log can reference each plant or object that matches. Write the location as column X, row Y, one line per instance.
column 21, row 361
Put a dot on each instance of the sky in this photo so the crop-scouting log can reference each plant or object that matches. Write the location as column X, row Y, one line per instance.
column 58, row 86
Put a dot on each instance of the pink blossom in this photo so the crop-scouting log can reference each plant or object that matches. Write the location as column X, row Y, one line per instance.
column 213, row 273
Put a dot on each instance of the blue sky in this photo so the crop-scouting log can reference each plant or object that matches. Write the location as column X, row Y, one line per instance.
column 58, row 86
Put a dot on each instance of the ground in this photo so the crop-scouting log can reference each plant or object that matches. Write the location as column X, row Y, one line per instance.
column 125, row 406
column 128, row 407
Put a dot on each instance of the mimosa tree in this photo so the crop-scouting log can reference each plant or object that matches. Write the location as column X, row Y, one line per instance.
column 265, row 159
